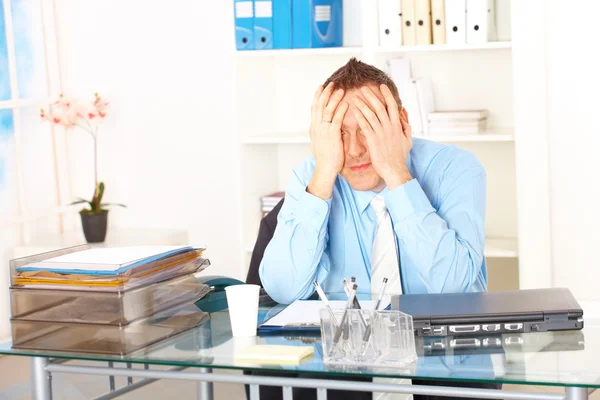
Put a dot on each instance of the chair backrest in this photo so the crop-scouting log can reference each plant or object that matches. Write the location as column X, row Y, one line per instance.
column 265, row 234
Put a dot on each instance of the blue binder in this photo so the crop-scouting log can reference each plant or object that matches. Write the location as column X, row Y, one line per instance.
column 263, row 24
column 282, row 24
column 244, row 24
column 317, row 23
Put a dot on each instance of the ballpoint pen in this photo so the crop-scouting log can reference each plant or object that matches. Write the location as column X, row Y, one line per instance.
column 381, row 292
column 325, row 301
column 349, row 303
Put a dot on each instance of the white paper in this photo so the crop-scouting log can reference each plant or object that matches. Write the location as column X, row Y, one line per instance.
column 307, row 311
column 104, row 259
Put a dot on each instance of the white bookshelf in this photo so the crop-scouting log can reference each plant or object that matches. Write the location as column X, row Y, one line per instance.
column 274, row 89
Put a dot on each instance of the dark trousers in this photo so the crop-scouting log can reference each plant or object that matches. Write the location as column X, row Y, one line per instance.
column 276, row 393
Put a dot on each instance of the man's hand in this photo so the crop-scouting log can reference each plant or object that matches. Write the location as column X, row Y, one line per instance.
column 388, row 135
column 326, row 140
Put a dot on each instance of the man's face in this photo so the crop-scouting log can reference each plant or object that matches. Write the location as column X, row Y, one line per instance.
column 358, row 170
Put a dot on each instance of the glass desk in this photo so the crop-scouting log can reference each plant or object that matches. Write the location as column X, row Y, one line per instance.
column 565, row 359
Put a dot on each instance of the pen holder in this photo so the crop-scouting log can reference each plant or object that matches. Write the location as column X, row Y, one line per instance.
column 367, row 337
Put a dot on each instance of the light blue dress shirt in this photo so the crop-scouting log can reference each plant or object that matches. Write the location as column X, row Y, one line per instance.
column 438, row 218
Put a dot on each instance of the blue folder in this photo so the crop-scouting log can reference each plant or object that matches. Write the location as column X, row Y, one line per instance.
column 317, row 23
column 282, row 24
column 244, row 24
column 263, row 24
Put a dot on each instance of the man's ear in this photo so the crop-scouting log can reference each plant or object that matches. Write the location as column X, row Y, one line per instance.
column 404, row 114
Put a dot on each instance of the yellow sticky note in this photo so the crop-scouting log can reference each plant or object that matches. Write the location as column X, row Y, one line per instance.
column 274, row 354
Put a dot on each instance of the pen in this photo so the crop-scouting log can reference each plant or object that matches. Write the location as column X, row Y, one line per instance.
column 349, row 303
column 325, row 301
column 381, row 291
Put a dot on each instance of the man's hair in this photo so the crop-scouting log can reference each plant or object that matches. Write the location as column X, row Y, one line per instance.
column 356, row 74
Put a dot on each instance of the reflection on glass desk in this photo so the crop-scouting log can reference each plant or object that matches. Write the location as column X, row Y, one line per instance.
column 555, row 358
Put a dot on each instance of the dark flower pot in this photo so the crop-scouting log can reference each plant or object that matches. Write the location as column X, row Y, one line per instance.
column 94, row 225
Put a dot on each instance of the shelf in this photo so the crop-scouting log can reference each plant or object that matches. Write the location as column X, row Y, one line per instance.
column 444, row 47
column 295, row 138
column 326, row 51
column 494, row 248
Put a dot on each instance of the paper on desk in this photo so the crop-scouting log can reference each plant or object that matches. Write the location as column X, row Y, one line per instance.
column 307, row 312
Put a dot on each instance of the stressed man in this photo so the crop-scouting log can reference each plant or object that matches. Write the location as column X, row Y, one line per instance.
column 374, row 202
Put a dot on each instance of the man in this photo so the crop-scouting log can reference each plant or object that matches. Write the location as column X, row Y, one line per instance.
column 373, row 202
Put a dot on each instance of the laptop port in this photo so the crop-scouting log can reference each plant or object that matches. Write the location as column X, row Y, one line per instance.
column 426, row 330
column 464, row 328
column 490, row 327
column 439, row 330
column 487, row 342
column 513, row 327
column 439, row 345
column 513, row 340
column 470, row 342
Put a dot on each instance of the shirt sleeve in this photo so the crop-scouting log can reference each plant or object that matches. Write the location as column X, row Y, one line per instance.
column 295, row 257
column 447, row 244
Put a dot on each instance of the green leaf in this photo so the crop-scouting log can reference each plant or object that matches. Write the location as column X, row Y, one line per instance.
column 79, row 202
column 112, row 204
column 100, row 192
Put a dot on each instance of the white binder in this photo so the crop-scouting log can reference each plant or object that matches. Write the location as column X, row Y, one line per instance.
column 456, row 22
column 390, row 23
column 438, row 22
column 408, row 23
column 481, row 17
column 423, row 22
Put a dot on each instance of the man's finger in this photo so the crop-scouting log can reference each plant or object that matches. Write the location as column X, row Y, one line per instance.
column 364, row 125
column 338, row 118
column 369, row 115
column 324, row 99
column 315, row 103
column 392, row 107
column 378, row 107
column 334, row 100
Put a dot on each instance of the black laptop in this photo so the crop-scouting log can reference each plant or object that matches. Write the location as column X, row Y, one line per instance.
column 467, row 314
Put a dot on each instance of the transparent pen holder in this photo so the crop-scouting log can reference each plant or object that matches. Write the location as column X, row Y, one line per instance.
column 367, row 337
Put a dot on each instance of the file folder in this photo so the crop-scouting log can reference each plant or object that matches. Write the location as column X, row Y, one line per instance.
column 438, row 22
column 481, row 26
column 244, row 24
column 408, row 23
column 390, row 23
column 423, row 22
column 282, row 24
column 317, row 23
column 456, row 21
column 263, row 24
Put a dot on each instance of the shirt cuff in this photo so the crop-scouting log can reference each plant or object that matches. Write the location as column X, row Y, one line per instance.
column 312, row 208
column 406, row 200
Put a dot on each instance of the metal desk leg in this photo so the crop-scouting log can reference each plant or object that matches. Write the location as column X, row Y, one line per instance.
column 576, row 393
column 41, row 380
column 204, row 388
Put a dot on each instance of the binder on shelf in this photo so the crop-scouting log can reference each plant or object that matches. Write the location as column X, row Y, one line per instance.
column 317, row 23
column 425, row 101
column 390, row 23
column 353, row 23
column 263, row 24
column 456, row 22
column 481, row 21
column 408, row 23
column 282, row 24
column 423, row 22
column 438, row 22
column 244, row 24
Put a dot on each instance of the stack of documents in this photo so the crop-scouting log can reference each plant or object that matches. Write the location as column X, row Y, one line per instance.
column 105, row 293
column 457, row 122
column 270, row 201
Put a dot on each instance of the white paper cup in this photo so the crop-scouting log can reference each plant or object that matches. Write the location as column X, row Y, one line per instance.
column 242, row 301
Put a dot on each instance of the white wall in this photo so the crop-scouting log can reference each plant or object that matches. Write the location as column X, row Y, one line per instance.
column 169, row 147
column 574, row 134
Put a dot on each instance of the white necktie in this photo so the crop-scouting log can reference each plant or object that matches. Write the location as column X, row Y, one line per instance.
column 384, row 258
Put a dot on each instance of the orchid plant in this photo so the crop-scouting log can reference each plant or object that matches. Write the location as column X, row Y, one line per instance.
column 71, row 113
